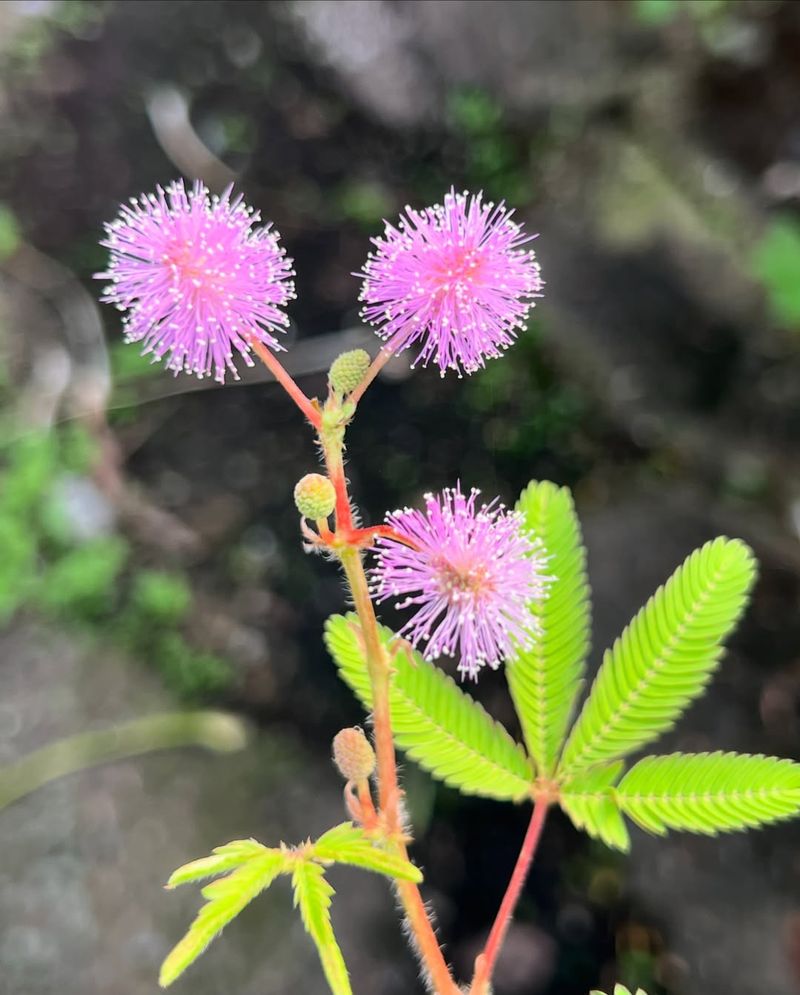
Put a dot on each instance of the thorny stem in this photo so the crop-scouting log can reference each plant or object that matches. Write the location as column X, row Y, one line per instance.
column 485, row 962
column 270, row 360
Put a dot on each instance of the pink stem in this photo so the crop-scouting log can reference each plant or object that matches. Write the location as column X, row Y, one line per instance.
column 485, row 963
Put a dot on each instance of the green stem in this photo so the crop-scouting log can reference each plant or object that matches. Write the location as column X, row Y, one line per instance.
column 216, row 731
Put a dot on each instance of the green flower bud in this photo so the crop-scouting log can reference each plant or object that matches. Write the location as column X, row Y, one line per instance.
column 348, row 370
column 353, row 755
column 315, row 496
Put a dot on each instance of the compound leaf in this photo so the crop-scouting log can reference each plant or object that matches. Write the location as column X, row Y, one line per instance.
column 437, row 724
column 665, row 657
column 348, row 844
column 224, row 858
column 589, row 801
column 312, row 894
column 225, row 899
column 545, row 679
column 709, row 792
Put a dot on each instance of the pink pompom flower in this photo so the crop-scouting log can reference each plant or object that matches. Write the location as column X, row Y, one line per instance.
column 197, row 279
column 454, row 280
column 470, row 571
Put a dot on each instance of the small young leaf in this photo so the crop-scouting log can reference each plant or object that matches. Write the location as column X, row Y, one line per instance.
column 225, row 899
column 620, row 990
column 225, row 858
column 709, row 792
column 347, row 844
column 545, row 679
column 588, row 800
column 664, row 658
column 440, row 726
column 312, row 893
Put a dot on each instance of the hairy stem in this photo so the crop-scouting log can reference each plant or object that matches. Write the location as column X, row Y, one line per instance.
column 485, row 962
column 389, row 794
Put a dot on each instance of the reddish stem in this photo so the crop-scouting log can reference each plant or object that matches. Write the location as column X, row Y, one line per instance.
column 485, row 962
column 270, row 360
column 375, row 368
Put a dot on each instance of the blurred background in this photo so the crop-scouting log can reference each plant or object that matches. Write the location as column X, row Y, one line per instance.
column 149, row 556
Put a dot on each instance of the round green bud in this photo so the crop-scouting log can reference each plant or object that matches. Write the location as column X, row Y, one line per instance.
column 348, row 370
column 353, row 755
column 315, row 496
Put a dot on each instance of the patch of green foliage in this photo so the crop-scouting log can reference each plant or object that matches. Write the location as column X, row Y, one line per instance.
column 495, row 161
column 776, row 263
column 526, row 407
column 48, row 565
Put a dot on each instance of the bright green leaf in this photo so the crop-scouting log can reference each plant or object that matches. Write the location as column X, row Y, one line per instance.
column 225, row 899
column 225, row 858
column 589, row 802
column 440, row 726
column 348, row 844
column 709, row 792
column 620, row 990
column 776, row 262
column 312, row 894
column 665, row 657
column 545, row 680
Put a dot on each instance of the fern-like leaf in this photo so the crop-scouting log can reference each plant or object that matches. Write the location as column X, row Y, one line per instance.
column 436, row 723
column 545, row 679
column 224, row 858
column 709, row 792
column 312, row 894
column 664, row 658
column 348, row 844
column 590, row 803
column 225, row 899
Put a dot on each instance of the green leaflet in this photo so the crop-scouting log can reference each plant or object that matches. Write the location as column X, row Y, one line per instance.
column 225, row 858
column 347, row 844
column 620, row 990
column 588, row 800
column 665, row 657
column 225, row 899
column 709, row 792
column 312, row 894
column 440, row 726
column 254, row 867
column 544, row 680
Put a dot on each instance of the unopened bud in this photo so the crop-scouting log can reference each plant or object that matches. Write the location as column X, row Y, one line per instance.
column 315, row 496
column 348, row 370
column 353, row 754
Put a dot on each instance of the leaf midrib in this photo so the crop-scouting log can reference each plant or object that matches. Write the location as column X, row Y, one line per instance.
column 658, row 664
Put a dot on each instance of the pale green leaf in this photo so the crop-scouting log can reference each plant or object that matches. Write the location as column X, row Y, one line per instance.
column 437, row 724
column 620, row 990
column 545, row 679
column 709, row 792
column 665, row 657
column 225, row 899
column 348, row 844
column 312, row 894
column 588, row 800
column 224, row 858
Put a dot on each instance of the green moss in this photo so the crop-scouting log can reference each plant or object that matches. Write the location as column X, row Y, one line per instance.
column 161, row 597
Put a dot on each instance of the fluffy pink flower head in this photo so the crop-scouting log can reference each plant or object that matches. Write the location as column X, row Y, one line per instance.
column 197, row 279
column 470, row 571
column 454, row 280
